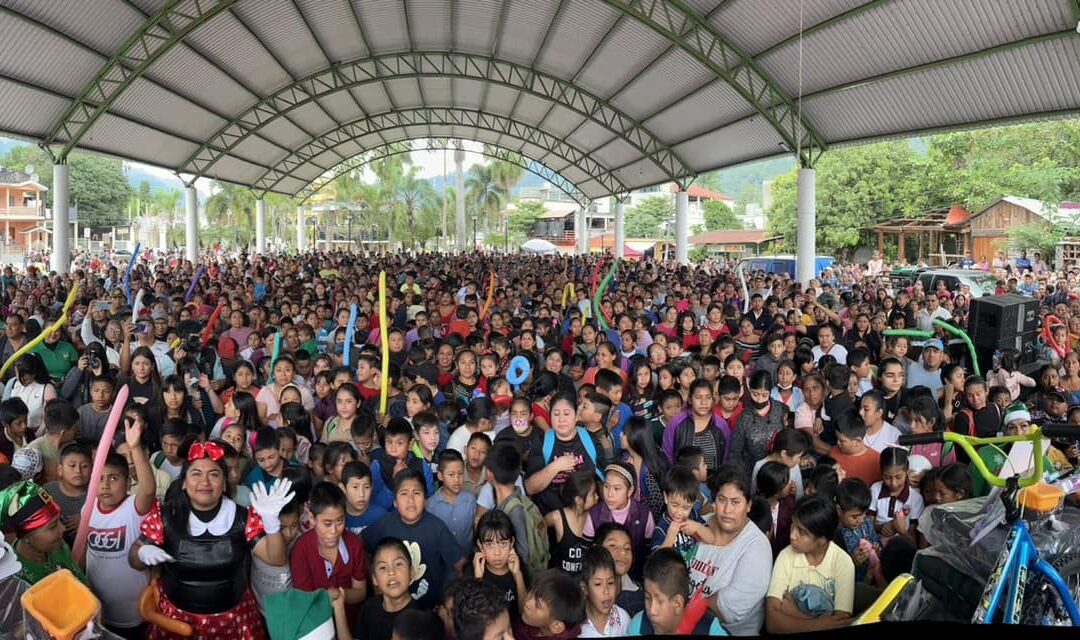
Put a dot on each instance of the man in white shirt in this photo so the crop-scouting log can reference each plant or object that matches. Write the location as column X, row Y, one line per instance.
column 924, row 319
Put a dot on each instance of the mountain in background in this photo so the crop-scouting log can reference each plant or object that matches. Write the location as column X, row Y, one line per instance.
column 136, row 174
column 7, row 144
column 528, row 180
column 743, row 182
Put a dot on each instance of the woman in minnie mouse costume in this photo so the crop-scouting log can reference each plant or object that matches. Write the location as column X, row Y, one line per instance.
column 202, row 541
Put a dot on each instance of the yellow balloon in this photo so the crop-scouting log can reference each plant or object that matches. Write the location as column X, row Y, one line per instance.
column 384, row 336
column 48, row 331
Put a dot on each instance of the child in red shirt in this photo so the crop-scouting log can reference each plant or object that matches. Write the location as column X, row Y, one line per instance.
column 330, row 557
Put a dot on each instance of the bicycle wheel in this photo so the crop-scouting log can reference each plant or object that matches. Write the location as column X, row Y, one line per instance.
column 1042, row 604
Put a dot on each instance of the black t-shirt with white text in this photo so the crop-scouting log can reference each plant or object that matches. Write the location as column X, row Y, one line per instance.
column 548, row 500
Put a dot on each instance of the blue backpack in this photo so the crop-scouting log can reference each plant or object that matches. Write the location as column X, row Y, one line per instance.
column 586, row 441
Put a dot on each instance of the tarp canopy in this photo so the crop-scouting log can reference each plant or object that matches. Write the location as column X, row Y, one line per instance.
column 536, row 245
column 606, row 95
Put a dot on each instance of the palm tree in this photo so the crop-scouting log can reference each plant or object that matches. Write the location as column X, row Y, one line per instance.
column 232, row 206
column 413, row 193
column 507, row 175
column 390, row 172
column 483, row 192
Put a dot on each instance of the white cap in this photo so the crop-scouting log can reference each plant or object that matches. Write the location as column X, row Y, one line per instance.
column 919, row 464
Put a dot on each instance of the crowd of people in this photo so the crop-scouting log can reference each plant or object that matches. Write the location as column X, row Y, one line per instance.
column 666, row 462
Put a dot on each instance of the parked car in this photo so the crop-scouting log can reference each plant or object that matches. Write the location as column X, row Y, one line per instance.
column 980, row 282
column 782, row 264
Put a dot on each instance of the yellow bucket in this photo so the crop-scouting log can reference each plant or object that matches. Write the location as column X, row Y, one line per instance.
column 61, row 604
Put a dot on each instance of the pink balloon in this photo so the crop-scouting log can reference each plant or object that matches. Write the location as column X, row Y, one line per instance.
column 78, row 551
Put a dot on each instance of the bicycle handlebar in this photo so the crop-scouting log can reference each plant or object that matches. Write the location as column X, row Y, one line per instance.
column 968, row 444
column 922, row 438
column 1060, row 431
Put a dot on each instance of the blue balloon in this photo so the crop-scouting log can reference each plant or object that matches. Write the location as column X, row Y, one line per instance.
column 518, row 371
column 350, row 333
column 127, row 274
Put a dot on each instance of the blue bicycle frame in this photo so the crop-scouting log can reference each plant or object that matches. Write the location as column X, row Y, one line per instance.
column 1017, row 559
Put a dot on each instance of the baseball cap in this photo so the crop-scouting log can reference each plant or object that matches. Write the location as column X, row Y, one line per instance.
column 934, row 343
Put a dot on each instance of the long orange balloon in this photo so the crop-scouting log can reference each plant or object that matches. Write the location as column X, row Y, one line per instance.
column 384, row 336
column 490, row 297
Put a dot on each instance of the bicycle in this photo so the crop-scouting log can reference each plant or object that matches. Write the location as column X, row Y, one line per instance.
column 1035, row 591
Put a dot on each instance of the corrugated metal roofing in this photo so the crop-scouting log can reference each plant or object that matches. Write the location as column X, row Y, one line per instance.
column 652, row 91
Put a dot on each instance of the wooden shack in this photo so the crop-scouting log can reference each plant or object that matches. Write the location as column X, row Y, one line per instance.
column 990, row 227
column 939, row 237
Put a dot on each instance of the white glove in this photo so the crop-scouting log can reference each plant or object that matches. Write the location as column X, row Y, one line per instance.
column 269, row 504
column 152, row 556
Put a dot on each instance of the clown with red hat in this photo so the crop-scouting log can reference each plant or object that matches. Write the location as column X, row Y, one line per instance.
column 33, row 516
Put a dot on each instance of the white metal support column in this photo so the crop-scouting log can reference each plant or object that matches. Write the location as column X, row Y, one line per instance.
column 682, row 226
column 191, row 223
column 301, row 230
column 61, row 249
column 459, row 203
column 806, row 235
column 260, row 226
column 582, row 229
column 620, row 228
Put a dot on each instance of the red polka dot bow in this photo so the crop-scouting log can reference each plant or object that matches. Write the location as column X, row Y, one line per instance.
column 210, row 450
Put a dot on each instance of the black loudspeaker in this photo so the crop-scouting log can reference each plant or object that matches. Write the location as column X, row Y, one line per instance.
column 993, row 319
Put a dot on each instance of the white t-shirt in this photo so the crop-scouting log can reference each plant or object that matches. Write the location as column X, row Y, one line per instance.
column 459, row 439
column 618, row 625
column 740, row 572
column 887, row 437
column 837, row 351
column 112, row 535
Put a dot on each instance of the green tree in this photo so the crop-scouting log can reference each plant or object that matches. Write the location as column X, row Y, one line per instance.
column 523, row 219
column 507, row 175
column 483, row 193
column 1040, row 239
column 856, row 187
column 720, row 217
column 386, row 207
column 232, row 209
column 100, row 188
column 142, row 198
column 414, row 194
column 652, row 218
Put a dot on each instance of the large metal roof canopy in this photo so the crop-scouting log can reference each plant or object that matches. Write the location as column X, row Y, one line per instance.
column 609, row 94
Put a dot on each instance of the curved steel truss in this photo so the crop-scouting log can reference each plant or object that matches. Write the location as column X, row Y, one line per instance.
column 391, row 149
column 423, row 116
column 377, row 69
column 686, row 29
column 161, row 32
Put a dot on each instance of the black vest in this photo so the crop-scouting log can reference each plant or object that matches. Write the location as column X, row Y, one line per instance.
column 210, row 572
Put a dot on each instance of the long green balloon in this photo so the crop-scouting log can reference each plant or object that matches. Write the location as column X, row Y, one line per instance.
column 600, row 296
column 274, row 357
column 925, row 335
column 960, row 333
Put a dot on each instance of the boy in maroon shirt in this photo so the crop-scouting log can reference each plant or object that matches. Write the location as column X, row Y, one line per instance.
column 330, row 557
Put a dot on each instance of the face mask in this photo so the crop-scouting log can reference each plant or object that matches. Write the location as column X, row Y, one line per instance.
column 758, row 406
column 519, row 424
column 785, row 387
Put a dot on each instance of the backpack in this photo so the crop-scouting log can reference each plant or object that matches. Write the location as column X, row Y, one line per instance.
column 586, row 441
column 536, row 535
